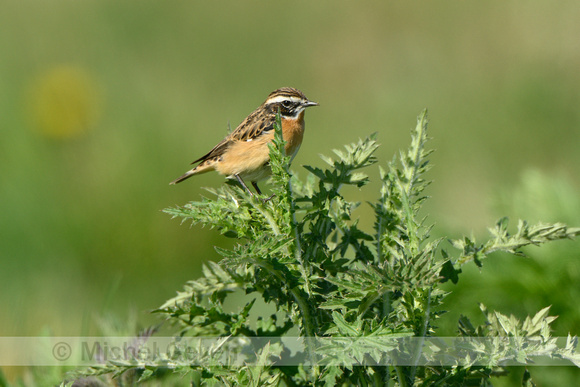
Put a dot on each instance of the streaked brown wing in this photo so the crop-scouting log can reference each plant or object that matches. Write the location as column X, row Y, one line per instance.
column 254, row 126
column 217, row 150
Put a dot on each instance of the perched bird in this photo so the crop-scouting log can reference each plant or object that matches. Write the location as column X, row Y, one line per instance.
column 244, row 153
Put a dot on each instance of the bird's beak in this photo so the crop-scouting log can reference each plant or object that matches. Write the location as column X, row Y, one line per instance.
column 309, row 103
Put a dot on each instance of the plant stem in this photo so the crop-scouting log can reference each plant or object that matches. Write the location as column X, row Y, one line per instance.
column 401, row 376
column 304, row 266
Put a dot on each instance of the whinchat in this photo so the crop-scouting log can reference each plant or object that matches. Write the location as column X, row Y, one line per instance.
column 244, row 153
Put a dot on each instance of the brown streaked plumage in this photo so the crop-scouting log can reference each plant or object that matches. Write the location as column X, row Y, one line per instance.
column 244, row 153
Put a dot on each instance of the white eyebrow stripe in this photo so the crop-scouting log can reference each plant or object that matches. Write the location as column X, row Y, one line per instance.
column 281, row 98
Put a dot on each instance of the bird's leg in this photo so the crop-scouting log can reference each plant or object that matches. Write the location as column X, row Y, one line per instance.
column 256, row 188
column 260, row 192
column 244, row 184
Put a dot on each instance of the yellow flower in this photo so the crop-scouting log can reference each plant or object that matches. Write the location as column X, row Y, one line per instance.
column 64, row 101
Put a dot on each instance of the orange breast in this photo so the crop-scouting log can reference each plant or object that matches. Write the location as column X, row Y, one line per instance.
column 293, row 132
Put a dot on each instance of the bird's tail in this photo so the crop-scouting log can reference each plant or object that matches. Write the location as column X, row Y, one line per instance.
column 187, row 175
column 206, row 166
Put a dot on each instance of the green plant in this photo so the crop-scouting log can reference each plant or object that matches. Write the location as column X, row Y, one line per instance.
column 303, row 253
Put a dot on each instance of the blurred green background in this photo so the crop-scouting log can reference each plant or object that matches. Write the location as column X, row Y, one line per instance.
column 102, row 103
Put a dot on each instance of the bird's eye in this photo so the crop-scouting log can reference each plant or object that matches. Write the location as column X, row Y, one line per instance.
column 286, row 104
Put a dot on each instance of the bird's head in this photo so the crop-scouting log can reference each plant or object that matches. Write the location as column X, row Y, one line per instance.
column 288, row 101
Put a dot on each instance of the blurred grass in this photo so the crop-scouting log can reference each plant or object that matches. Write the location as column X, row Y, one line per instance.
column 81, row 231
